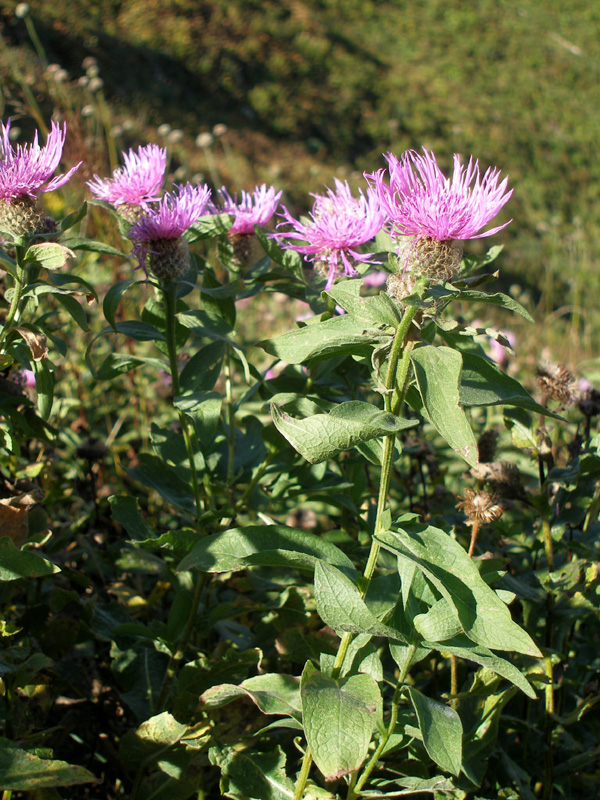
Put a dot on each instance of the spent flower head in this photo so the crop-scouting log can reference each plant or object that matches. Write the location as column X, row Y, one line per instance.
column 25, row 170
column 338, row 224
column 156, row 234
column 253, row 208
column 136, row 183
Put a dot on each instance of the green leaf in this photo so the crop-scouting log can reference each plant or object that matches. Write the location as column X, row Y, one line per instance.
column 375, row 310
column 113, row 298
column 72, row 219
column 209, row 227
column 61, row 278
column 485, row 384
column 497, row 299
column 44, row 387
column 203, row 369
column 322, row 436
column 461, row 647
column 252, row 776
column 140, row 331
column 49, row 255
column 153, row 472
column 341, row 606
column 239, row 548
column 272, row 693
column 438, row 372
column 204, row 408
column 484, row 617
column 89, row 245
column 126, row 511
column 24, row 771
column 151, row 739
column 75, row 309
column 438, row 623
column 15, row 563
column 338, row 717
column 117, row 363
column 342, row 335
column 441, row 729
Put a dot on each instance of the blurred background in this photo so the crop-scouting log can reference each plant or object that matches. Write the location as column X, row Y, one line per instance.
column 293, row 92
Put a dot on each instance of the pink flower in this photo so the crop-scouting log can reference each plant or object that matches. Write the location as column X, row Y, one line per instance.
column 339, row 223
column 28, row 168
column 168, row 219
column 420, row 201
column 375, row 279
column 138, row 182
column 254, row 208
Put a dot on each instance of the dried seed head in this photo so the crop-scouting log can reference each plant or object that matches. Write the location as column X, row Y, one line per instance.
column 481, row 506
column 556, row 382
column 401, row 284
column 503, row 477
column 487, row 445
column 589, row 402
column 168, row 258
column 433, row 259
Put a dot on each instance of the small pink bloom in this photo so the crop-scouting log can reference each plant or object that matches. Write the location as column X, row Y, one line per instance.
column 138, row 182
column 169, row 218
column 339, row 223
column 375, row 279
column 253, row 208
column 27, row 169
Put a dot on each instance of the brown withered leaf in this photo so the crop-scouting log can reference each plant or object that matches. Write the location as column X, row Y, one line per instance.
column 13, row 514
column 35, row 341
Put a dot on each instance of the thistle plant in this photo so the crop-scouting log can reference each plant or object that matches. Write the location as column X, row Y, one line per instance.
column 278, row 546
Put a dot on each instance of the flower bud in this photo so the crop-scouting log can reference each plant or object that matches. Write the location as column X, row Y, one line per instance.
column 167, row 259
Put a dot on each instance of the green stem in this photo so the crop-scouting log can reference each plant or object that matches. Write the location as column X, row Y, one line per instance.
column 170, row 299
column 179, row 654
column 230, row 420
column 397, row 368
column 13, row 311
column 355, row 791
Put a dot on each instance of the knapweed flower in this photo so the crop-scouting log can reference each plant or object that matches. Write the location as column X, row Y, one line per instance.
column 437, row 211
column 138, row 182
column 156, row 234
column 253, row 208
column 338, row 224
column 25, row 171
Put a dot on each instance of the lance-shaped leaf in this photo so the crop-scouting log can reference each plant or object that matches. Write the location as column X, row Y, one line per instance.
column 338, row 717
column 272, row 693
column 438, row 372
column 337, row 336
column 268, row 545
column 341, row 606
column 15, row 563
column 441, row 729
column 322, row 436
column 484, row 617
column 461, row 647
column 483, row 383
column 23, row 771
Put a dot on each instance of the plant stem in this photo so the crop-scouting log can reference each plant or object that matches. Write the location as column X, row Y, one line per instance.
column 13, row 311
column 178, row 655
column 230, row 420
column 474, row 533
column 354, row 792
column 396, row 379
column 170, row 299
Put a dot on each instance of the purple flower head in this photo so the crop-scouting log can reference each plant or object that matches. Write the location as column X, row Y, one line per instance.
column 339, row 223
column 420, row 201
column 27, row 169
column 138, row 182
column 254, row 208
column 168, row 219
